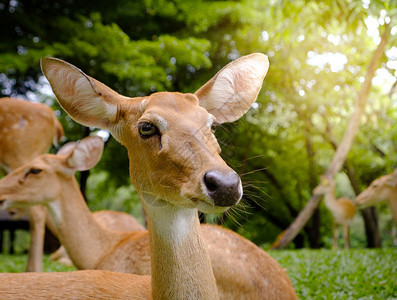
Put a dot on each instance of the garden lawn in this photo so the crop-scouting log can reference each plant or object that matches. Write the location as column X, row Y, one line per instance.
column 341, row 274
column 17, row 263
column 315, row 274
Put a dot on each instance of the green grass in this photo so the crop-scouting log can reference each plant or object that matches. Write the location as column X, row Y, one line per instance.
column 315, row 274
column 353, row 274
column 17, row 263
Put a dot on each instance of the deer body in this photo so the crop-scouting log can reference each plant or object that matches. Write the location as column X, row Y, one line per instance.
column 380, row 190
column 174, row 161
column 110, row 219
column 82, row 285
column 342, row 210
column 27, row 130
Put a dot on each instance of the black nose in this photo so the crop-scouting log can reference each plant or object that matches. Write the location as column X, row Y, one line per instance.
column 224, row 190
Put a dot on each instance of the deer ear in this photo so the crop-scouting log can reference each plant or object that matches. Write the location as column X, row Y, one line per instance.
column 67, row 148
column 86, row 153
column 85, row 99
column 232, row 91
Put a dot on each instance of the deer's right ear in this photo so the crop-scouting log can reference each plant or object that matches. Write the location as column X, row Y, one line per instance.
column 86, row 153
column 85, row 99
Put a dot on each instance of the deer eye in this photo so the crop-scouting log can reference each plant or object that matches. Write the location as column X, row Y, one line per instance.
column 214, row 126
column 147, row 129
column 31, row 171
column 34, row 171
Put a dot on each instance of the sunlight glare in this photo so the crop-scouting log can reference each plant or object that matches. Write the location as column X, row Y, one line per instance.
column 265, row 35
column 336, row 61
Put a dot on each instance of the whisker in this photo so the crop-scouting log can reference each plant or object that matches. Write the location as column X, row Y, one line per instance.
column 253, row 157
column 252, row 172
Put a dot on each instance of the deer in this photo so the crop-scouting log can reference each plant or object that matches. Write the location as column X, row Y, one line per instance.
column 381, row 190
column 343, row 210
column 113, row 220
column 175, row 166
column 125, row 252
column 27, row 130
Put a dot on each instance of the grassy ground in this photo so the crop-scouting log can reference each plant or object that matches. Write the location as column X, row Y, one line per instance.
column 315, row 274
column 354, row 274
column 17, row 263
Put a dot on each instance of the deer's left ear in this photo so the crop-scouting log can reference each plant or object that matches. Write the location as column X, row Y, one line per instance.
column 232, row 91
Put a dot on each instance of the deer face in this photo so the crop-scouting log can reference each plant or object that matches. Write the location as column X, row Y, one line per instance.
column 29, row 184
column 174, row 156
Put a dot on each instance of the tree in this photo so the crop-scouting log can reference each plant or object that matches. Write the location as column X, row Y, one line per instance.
column 344, row 147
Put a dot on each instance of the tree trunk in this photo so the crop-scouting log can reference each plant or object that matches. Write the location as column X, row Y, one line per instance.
column 343, row 149
column 313, row 229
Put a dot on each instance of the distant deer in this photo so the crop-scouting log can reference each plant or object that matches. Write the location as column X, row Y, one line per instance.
column 27, row 130
column 342, row 210
column 176, row 167
column 381, row 190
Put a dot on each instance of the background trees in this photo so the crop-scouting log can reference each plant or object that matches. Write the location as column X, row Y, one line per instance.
column 319, row 53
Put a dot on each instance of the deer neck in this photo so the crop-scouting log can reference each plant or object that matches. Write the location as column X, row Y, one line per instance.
column 84, row 239
column 330, row 200
column 181, row 267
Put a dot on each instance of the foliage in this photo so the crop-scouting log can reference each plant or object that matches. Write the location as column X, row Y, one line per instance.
column 318, row 51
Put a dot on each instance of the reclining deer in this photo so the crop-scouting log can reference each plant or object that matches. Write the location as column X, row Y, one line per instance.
column 27, row 130
column 176, row 168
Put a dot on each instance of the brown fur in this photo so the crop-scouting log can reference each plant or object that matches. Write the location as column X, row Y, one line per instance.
column 78, row 285
column 110, row 219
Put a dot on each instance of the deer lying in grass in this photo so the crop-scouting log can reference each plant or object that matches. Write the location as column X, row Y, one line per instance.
column 342, row 210
column 176, row 168
column 27, row 130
